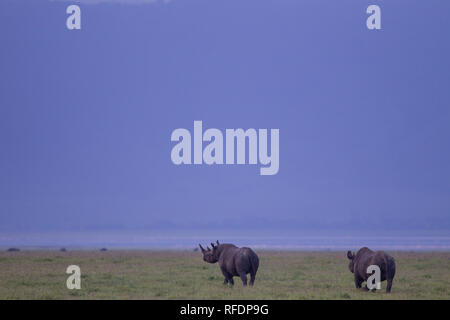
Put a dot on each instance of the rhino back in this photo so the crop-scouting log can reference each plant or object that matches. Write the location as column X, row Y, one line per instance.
column 244, row 260
column 227, row 258
column 379, row 258
column 363, row 259
column 235, row 260
column 253, row 259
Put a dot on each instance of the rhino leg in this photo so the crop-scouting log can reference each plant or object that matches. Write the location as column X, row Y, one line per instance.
column 389, row 285
column 358, row 281
column 252, row 278
column 228, row 277
column 390, row 275
column 243, row 276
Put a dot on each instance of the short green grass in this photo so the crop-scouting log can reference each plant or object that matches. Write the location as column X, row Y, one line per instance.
column 184, row 275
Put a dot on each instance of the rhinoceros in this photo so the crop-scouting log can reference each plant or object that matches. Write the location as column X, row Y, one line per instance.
column 233, row 261
column 364, row 258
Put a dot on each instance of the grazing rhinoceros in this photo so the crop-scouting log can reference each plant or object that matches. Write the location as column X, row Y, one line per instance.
column 366, row 257
column 233, row 261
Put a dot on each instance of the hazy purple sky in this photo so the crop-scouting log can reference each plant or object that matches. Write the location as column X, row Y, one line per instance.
column 86, row 116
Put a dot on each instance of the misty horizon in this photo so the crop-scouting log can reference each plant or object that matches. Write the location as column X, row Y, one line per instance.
column 86, row 118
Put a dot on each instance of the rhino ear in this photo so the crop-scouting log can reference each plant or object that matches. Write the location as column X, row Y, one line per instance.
column 218, row 242
column 203, row 250
column 350, row 255
column 212, row 245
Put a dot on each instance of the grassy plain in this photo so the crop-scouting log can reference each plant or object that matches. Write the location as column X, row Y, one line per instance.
column 183, row 275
